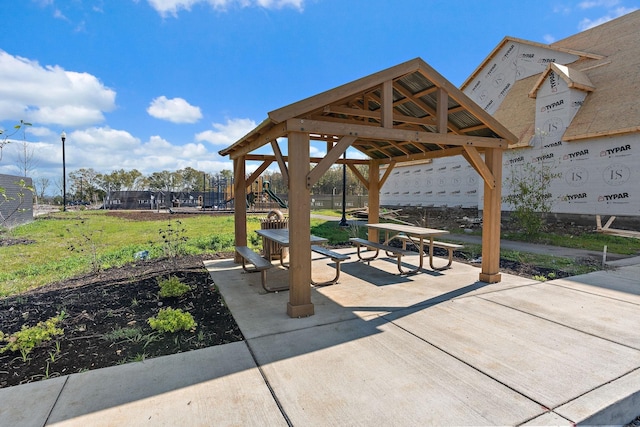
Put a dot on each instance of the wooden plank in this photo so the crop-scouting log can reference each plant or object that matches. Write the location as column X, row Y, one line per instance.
column 387, row 104
column 266, row 132
column 374, row 197
column 329, row 159
column 608, row 224
column 442, row 113
column 386, row 173
column 254, row 176
column 474, row 158
column 379, row 133
column 272, row 158
column 364, row 181
column 283, row 166
column 377, row 115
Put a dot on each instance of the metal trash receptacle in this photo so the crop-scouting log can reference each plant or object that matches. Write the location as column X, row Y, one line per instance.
column 274, row 220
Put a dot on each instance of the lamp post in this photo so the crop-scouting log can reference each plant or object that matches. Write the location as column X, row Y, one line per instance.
column 63, row 137
column 343, row 220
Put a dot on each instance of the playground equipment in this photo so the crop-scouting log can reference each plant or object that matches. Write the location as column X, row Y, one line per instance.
column 266, row 188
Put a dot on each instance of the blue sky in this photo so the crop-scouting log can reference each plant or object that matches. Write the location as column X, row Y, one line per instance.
column 165, row 84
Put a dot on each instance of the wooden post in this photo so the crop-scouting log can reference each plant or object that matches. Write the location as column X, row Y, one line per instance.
column 240, row 211
column 299, row 221
column 490, row 271
column 374, row 197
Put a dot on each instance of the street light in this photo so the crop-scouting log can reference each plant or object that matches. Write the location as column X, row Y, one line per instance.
column 63, row 137
column 343, row 220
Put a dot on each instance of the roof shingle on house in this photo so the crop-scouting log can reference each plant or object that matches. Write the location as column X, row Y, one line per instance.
column 607, row 66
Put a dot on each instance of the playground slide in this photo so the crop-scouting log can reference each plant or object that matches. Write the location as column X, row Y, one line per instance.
column 273, row 196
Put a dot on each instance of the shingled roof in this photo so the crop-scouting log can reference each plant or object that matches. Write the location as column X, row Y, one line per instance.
column 607, row 66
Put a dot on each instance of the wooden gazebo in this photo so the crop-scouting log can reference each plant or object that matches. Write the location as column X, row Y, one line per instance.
column 405, row 113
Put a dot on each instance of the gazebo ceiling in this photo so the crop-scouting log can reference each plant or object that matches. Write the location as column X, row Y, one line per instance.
column 406, row 112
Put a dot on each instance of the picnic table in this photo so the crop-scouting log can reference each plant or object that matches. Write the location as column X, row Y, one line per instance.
column 421, row 237
column 281, row 238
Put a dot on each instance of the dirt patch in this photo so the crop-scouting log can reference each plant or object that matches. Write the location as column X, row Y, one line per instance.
column 120, row 300
column 7, row 241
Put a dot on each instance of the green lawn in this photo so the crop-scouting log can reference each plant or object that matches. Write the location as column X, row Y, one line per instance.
column 66, row 244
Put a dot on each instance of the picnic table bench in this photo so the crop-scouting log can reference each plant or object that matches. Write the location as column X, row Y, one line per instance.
column 390, row 250
column 450, row 247
column 335, row 257
column 260, row 264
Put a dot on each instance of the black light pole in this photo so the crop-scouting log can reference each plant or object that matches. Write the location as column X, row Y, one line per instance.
column 343, row 221
column 63, row 136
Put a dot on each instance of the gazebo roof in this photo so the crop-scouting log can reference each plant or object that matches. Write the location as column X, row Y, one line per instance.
column 404, row 113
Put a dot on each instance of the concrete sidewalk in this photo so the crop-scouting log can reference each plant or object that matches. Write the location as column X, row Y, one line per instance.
column 436, row 348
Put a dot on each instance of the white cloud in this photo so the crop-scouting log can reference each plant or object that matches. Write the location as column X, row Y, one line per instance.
column 227, row 134
column 589, row 4
column 548, row 38
column 587, row 23
column 175, row 110
column 51, row 95
column 172, row 7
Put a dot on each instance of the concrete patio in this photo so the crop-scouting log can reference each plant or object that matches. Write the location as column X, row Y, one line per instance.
column 382, row 349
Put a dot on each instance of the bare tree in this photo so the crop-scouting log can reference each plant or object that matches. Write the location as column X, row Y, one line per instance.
column 26, row 159
column 40, row 185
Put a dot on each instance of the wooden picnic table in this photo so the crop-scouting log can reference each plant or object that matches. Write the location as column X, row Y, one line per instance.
column 415, row 235
column 281, row 237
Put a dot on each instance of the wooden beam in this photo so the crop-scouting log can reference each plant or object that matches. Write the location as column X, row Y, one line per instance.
column 254, row 176
column 442, row 108
column 316, row 173
column 240, row 210
column 386, row 173
column 377, row 115
column 283, row 166
column 374, row 198
column 435, row 154
column 387, row 104
column 358, row 175
column 260, row 140
column 474, row 158
column 424, row 106
column 379, row 133
column 490, row 268
column 299, row 221
column 272, row 158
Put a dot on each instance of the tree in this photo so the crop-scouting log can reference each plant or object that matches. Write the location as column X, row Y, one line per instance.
column 40, row 186
column 4, row 135
column 529, row 195
column 26, row 159
column 84, row 184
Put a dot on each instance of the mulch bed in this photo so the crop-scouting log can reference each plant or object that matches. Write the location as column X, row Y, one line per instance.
column 96, row 305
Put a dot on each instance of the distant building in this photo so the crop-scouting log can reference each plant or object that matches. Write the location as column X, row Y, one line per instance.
column 574, row 105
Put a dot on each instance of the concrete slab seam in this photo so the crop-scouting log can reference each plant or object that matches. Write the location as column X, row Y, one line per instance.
column 474, row 368
column 560, row 285
column 559, row 324
column 590, row 391
column 266, row 382
column 55, row 402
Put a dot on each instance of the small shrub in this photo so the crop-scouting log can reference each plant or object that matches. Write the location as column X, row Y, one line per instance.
column 173, row 239
column 172, row 320
column 172, row 287
column 27, row 338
